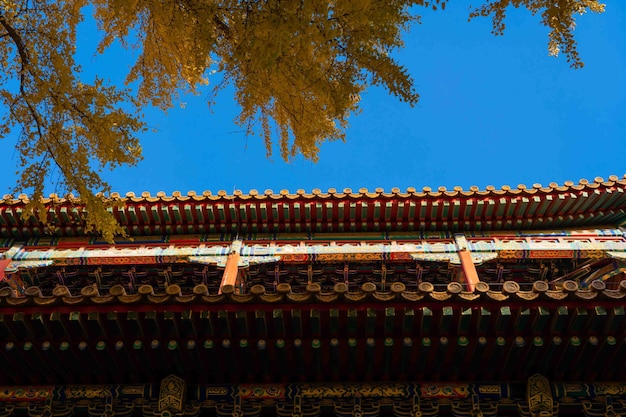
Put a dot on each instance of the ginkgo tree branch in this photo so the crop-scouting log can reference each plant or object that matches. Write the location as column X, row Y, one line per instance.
column 19, row 45
column 64, row 123
column 298, row 69
column 25, row 67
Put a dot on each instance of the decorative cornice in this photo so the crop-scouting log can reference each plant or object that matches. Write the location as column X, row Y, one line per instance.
column 508, row 292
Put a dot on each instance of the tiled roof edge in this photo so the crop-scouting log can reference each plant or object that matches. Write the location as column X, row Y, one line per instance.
column 505, row 190
column 510, row 291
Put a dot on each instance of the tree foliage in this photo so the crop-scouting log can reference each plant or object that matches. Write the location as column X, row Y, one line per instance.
column 557, row 15
column 298, row 68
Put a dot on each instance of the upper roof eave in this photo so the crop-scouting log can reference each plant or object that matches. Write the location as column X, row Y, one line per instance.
column 587, row 203
column 362, row 193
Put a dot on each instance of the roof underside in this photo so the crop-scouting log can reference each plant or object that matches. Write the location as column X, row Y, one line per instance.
column 586, row 205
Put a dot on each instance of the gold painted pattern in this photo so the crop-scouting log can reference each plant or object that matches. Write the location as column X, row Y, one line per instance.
column 445, row 391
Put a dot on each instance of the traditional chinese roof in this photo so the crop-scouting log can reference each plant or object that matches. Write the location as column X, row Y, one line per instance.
column 586, row 204
column 281, row 290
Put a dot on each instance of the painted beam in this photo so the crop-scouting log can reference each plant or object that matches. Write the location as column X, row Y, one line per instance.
column 577, row 244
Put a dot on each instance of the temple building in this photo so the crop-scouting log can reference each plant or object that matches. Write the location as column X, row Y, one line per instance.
column 464, row 303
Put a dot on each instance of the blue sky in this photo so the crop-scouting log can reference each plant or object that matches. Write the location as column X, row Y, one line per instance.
column 493, row 110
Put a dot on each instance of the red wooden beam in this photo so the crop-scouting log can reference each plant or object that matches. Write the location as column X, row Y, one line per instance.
column 231, row 271
column 3, row 264
column 469, row 269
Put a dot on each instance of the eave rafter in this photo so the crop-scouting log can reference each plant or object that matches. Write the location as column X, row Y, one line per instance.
column 586, row 204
